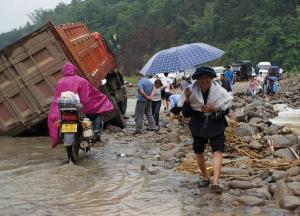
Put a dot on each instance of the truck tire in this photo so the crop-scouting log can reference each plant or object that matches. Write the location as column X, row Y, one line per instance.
column 123, row 104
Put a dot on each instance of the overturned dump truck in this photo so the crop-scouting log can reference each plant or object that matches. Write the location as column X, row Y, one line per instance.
column 31, row 66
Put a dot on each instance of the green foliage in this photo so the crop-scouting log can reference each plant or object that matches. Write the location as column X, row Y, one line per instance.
column 257, row 30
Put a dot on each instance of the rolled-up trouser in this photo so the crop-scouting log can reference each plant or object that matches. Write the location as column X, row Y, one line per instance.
column 143, row 107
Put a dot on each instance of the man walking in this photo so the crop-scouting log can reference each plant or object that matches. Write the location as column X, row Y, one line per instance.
column 207, row 103
column 143, row 106
column 229, row 75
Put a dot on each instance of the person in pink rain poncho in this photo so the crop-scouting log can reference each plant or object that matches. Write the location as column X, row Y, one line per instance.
column 93, row 101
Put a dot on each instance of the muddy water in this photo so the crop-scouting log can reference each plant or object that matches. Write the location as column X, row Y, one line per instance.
column 35, row 180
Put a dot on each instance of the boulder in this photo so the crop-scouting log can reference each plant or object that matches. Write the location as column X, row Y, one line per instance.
column 241, row 161
column 173, row 137
column 246, row 139
column 294, row 171
column 281, row 190
column 277, row 175
column 167, row 146
column 238, row 116
column 289, row 202
column 285, row 153
column 281, row 141
column 234, row 171
column 180, row 155
column 262, row 193
column 245, row 129
column 254, row 210
column 255, row 120
column 255, row 145
column 285, row 130
column 295, row 187
column 273, row 129
column 251, row 201
column 167, row 155
column 252, row 114
column 294, row 178
column 236, row 184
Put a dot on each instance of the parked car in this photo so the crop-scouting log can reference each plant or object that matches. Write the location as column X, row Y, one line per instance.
column 219, row 70
column 264, row 67
column 176, row 77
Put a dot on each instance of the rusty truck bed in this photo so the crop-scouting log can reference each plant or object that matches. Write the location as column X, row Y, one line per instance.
column 30, row 68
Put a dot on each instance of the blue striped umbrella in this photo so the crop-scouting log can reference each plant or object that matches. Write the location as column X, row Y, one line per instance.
column 181, row 58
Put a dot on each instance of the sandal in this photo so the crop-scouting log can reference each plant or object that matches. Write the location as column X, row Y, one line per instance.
column 204, row 183
column 215, row 189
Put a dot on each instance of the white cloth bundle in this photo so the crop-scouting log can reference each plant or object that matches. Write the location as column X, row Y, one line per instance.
column 218, row 97
column 70, row 96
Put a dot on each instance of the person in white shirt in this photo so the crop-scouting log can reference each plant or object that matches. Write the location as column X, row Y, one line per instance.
column 156, row 100
column 167, row 87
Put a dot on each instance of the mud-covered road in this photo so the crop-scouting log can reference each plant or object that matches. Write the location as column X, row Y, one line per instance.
column 123, row 175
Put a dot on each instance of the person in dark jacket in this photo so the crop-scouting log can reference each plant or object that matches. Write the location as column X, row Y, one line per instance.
column 225, row 83
column 207, row 122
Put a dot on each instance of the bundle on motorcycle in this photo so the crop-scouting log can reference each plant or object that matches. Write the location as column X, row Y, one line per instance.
column 75, row 130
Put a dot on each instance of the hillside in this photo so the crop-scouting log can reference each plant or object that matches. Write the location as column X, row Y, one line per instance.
column 256, row 30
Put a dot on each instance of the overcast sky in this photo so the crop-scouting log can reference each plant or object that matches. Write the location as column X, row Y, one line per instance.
column 13, row 13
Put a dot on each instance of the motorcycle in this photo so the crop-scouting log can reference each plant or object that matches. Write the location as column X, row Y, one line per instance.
column 75, row 130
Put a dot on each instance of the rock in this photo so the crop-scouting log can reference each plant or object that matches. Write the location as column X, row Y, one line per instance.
column 277, row 175
column 245, row 129
column 251, row 201
column 255, row 145
column 275, row 211
column 167, row 146
column 285, row 153
column 152, row 170
column 234, row 171
column 289, row 202
column 273, row 129
column 281, row 191
column 173, row 137
column 262, row 193
column 238, row 116
column 279, row 101
column 285, row 130
column 294, row 171
column 294, row 179
column 166, row 155
column 254, row 210
column 263, row 174
column 281, row 141
column 236, row 184
column 241, row 162
column 246, row 139
column 180, row 155
column 295, row 187
column 255, row 120
column 252, row 114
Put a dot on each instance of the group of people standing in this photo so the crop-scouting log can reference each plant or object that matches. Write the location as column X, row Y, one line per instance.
column 204, row 101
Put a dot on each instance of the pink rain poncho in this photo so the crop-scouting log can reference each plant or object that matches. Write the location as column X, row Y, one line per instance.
column 93, row 101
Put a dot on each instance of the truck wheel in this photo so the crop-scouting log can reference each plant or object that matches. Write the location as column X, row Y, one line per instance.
column 123, row 104
column 123, row 107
